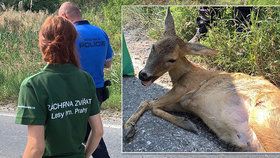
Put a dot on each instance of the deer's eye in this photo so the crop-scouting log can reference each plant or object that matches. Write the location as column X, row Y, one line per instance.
column 171, row 60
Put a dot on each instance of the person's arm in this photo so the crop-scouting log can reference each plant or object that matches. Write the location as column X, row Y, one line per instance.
column 35, row 146
column 108, row 63
column 95, row 134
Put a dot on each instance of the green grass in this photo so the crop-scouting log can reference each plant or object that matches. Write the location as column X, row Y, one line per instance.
column 254, row 52
column 20, row 56
column 211, row 2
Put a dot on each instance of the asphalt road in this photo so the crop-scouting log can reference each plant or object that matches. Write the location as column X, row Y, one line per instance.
column 13, row 139
column 156, row 135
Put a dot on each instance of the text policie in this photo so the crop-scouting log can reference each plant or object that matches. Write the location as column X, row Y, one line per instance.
column 92, row 43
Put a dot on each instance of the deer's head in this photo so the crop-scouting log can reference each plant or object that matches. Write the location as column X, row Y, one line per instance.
column 166, row 53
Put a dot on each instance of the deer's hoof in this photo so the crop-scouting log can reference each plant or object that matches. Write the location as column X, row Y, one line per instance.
column 129, row 132
column 190, row 126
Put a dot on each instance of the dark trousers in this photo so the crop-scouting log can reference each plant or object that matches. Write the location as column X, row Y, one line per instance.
column 101, row 150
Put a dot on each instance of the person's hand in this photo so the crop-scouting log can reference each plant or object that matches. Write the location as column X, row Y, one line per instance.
column 108, row 63
column 95, row 134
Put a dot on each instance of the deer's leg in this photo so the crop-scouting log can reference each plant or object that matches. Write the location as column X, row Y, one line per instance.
column 129, row 126
column 169, row 99
column 177, row 120
column 170, row 102
column 144, row 106
column 173, row 108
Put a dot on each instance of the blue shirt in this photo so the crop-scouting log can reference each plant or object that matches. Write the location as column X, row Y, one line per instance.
column 94, row 49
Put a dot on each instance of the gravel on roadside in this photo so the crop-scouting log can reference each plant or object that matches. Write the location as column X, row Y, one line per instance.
column 154, row 134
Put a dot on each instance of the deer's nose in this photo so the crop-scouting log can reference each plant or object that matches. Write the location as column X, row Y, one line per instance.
column 143, row 76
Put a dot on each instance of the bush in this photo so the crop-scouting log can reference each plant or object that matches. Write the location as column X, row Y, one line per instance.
column 48, row 5
column 255, row 52
column 37, row 5
column 210, row 2
column 19, row 53
column 20, row 56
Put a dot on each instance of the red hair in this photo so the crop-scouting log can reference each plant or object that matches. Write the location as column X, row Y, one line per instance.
column 57, row 38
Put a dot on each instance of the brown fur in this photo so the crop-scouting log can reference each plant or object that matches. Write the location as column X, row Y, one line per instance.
column 241, row 109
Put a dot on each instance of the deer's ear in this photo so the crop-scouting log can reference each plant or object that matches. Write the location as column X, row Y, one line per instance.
column 198, row 49
column 169, row 29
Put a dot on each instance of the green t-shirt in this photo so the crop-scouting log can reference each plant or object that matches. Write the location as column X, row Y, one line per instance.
column 61, row 97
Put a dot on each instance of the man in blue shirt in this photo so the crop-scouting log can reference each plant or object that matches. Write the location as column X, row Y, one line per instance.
column 95, row 53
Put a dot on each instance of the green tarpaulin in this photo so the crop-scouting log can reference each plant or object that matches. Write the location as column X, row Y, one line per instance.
column 127, row 63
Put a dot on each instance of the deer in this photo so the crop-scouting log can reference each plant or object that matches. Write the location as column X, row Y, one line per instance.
column 240, row 109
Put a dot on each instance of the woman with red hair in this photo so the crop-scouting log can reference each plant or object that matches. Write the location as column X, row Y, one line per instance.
column 57, row 102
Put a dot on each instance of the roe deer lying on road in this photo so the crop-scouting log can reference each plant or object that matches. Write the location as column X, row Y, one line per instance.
column 241, row 109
